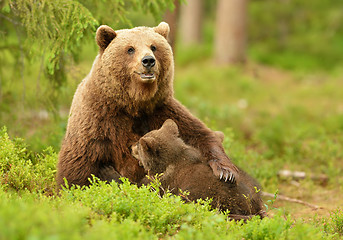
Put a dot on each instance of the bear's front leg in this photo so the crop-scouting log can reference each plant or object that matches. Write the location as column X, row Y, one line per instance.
column 195, row 133
column 218, row 168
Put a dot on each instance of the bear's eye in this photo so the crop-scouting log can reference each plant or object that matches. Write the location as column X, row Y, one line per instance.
column 153, row 48
column 131, row 50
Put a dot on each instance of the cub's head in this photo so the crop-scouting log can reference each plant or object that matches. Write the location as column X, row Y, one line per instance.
column 137, row 62
column 159, row 148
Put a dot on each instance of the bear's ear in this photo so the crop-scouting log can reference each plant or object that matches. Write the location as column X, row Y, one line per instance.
column 163, row 29
column 104, row 36
column 148, row 144
column 220, row 136
column 171, row 127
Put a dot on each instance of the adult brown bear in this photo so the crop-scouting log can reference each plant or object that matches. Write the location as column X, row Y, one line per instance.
column 129, row 92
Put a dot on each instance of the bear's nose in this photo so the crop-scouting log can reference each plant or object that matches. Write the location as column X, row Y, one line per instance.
column 148, row 61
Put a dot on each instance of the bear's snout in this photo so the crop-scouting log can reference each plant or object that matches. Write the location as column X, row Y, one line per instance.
column 148, row 62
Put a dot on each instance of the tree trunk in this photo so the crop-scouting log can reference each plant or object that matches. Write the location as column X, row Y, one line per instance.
column 172, row 18
column 230, row 39
column 191, row 22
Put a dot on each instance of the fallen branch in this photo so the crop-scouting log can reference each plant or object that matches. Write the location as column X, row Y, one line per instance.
column 298, row 175
column 288, row 199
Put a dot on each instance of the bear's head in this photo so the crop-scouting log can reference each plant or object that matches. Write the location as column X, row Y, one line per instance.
column 159, row 148
column 136, row 65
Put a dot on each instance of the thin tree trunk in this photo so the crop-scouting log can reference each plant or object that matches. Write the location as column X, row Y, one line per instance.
column 0, row 88
column 21, row 62
column 283, row 25
column 172, row 18
column 230, row 39
column 41, row 69
column 191, row 22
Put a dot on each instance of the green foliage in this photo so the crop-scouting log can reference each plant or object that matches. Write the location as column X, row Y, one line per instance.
column 163, row 215
column 120, row 210
column 334, row 224
column 20, row 169
column 273, row 228
column 117, row 11
column 168, row 216
column 34, row 216
column 47, row 30
column 53, row 31
column 296, row 34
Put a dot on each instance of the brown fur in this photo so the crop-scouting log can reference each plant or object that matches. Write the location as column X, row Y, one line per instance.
column 163, row 151
column 113, row 107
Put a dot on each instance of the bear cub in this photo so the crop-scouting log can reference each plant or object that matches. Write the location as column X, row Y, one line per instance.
column 163, row 151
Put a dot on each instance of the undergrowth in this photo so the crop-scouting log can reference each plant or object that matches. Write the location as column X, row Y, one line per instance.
column 29, row 209
column 21, row 169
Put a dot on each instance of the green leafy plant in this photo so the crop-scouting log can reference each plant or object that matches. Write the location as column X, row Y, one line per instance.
column 21, row 170
column 54, row 31
column 334, row 224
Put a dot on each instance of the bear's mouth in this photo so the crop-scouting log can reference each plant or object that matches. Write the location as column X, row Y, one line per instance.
column 148, row 77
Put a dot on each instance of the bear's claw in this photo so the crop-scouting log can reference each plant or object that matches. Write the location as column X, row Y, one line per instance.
column 228, row 176
column 223, row 171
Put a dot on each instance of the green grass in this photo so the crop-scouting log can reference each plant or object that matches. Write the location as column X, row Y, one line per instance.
column 121, row 211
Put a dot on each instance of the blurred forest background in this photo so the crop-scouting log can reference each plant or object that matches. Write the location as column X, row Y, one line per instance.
column 48, row 47
column 268, row 73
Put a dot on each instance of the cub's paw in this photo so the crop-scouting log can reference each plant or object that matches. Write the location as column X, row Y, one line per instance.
column 108, row 173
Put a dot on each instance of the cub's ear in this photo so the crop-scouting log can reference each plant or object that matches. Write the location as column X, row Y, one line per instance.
column 171, row 127
column 104, row 36
column 163, row 29
column 148, row 144
column 220, row 136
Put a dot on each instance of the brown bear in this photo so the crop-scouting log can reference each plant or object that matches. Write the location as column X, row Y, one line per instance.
column 183, row 168
column 129, row 92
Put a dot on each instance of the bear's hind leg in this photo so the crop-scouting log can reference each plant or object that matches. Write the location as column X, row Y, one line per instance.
column 108, row 173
